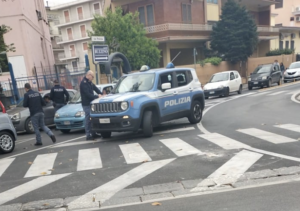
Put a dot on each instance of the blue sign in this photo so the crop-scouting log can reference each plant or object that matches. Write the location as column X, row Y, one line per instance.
column 100, row 53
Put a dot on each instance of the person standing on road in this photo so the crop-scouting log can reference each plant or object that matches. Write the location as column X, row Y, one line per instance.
column 282, row 68
column 87, row 89
column 34, row 101
column 57, row 95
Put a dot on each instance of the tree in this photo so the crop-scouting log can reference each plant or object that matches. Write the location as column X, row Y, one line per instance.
column 130, row 35
column 235, row 35
column 5, row 48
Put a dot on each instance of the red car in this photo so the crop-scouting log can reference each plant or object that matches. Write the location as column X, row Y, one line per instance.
column 2, row 108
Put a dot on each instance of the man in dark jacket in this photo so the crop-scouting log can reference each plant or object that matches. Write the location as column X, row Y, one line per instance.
column 34, row 101
column 87, row 89
column 57, row 95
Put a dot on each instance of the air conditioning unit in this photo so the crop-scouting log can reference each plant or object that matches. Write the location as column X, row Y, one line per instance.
column 298, row 19
column 297, row 9
column 293, row 36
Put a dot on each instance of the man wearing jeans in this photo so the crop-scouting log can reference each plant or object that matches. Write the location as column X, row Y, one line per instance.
column 87, row 89
column 34, row 101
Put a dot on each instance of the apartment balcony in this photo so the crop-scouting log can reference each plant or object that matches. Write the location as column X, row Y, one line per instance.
column 256, row 3
column 79, row 19
column 54, row 33
column 296, row 11
column 66, row 40
column 63, row 58
column 178, row 27
column 267, row 29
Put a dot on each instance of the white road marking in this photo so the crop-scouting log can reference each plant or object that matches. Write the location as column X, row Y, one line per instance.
column 134, row 153
column 223, row 141
column 267, row 136
column 23, row 141
column 175, row 130
column 27, row 187
column 89, row 159
column 179, row 147
column 274, row 154
column 106, row 191
column 293, row 98
column 293, row 92
column 259, row 94
column 291, row 127
column 40, row 148
column 41, row 165
column 277, row 93
column 233, row 169
column 75, row 144
column 4, row 164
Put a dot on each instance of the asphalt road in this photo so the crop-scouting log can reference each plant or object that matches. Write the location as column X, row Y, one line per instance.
column 75, row 167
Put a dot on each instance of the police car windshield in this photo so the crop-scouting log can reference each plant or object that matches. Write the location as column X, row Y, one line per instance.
column 219, row 77
column 136, row 83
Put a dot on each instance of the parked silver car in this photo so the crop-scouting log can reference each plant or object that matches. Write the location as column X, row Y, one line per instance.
column 20, row 116
column 8, row 134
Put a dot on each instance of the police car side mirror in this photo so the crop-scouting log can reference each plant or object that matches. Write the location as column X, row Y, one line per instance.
column 165, row 86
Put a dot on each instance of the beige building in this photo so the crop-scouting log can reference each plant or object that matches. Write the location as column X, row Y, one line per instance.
column 286, row 16
column 75, row 20
column 30, row 35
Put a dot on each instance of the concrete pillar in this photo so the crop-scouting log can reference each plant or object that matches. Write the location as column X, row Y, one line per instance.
column 166, row 54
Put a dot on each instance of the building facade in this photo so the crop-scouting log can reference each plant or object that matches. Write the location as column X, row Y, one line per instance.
column 182, row 25
column 30, row 35
column 286, row 17
column 75, row 20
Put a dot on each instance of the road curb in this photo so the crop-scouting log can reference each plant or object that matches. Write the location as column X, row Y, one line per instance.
column 163, row 192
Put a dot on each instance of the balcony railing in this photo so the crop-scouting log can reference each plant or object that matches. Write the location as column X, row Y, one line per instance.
column 71, row 39
column 71, row 20
column 195, row 27
column 178, row 27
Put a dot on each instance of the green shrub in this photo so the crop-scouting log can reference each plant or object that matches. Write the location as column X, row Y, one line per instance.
column 213, row 60
column 278, row 52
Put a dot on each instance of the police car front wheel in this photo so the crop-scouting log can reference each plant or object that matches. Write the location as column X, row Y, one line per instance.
column 195, row 113
column 147, row 124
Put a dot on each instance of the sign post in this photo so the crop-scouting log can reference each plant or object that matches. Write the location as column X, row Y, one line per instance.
column 100, row 52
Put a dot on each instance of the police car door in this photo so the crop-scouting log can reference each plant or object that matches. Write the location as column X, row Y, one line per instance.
column 184, row 88
column 167, row 98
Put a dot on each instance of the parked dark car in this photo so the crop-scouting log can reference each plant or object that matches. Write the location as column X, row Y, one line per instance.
column 20, row 116
column 265, row 75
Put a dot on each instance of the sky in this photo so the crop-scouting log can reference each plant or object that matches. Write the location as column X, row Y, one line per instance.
column 56, row 2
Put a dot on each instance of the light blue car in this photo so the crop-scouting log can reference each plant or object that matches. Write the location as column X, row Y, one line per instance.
column 71, row 116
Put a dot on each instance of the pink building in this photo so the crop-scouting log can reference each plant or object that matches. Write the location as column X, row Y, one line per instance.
column 30, row 35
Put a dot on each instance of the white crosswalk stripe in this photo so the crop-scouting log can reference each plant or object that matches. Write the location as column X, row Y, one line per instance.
column 4, row 164
column 89, row 159
column 291, row 127
column 232, row 169
column 223, row 141
column 134, row 153
column 179, row 147
column 27, row 187
column 267, row 136
column 76, row 143
column 42, row 165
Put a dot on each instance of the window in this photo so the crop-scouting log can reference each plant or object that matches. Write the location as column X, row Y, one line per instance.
column 181, row 78
column 280, row 45
column 97, row 8
column 85, row 46
column 72, row 50
column 83, row 31
column 165, row 78
column 279, row 4
column 42, row 45
column 189, row 76
column 80, row 13
column 292, row 44
column 70, row 33
column 212, row 1
column 146, row 15
column 236, row 75
column 67, row 16
column 186, row 13
column 292, row 19
column 287, row 44
column 232, row 76
column 74, row 65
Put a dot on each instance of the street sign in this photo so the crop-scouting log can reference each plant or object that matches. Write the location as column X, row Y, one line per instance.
column 98, row 39
column 100, row 53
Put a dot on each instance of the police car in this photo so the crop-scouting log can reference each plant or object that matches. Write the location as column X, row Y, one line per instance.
column 147, row 98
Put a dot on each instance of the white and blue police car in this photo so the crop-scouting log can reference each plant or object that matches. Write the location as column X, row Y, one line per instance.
column 144, row 99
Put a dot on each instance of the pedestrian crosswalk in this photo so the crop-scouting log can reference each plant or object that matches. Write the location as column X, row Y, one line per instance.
column 89, row 159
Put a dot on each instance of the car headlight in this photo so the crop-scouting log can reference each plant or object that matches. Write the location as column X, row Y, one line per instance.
column 56, row 115
column 249, row 79
column 221, row 86
column 93, row 107
column 124, row 106
column 15, row 117
column 79, row 114
column 264, row 77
